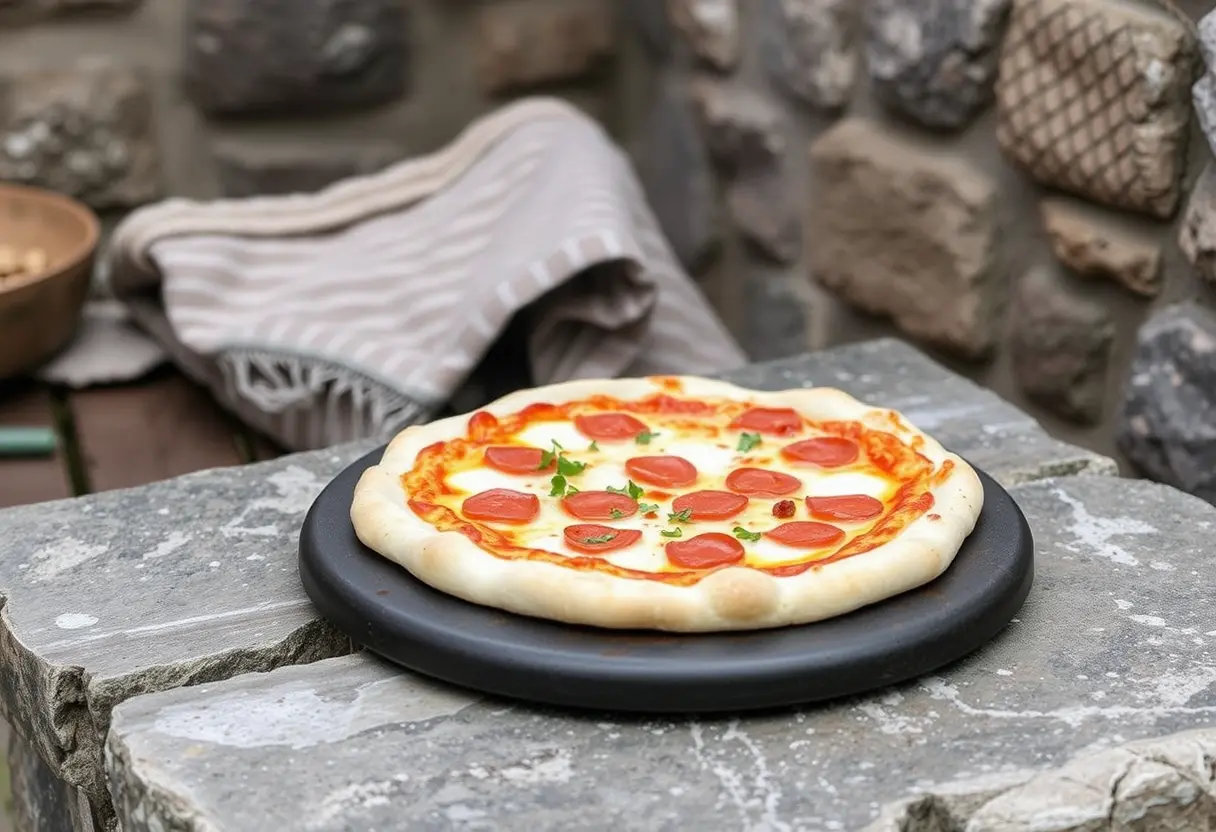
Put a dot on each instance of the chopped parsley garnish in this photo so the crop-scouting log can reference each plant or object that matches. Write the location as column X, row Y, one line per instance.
column 744, row 534
column 646, row 508
column 593, row 446
column 747, row 441
column 680, row 516
column 645, row 436
column 634, row 490
column 617, row 514
column 672, row 532
column 603, row 538
column 565, row 468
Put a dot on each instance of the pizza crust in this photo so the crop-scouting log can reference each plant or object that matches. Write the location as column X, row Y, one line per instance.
column 734, row 598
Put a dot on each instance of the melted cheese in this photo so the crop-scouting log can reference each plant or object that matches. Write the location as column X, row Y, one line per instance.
column 714, row 460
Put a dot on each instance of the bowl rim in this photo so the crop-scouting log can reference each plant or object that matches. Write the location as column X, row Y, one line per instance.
column 73, row 206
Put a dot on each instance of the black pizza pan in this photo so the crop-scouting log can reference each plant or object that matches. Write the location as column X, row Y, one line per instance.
column 385, row 609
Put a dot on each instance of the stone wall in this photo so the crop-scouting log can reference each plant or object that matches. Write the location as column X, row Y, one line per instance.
column 1006, row 182
column 1003, row 181
column 121, row 102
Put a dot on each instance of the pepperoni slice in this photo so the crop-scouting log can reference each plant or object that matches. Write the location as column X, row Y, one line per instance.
column 805, row 534
column 850, row 508
column 781, row 421
column 710, row 505
column 594, row 538
column 516, row 459
column 825, row 451
column 667, row 471
column 503, row 505
column 609, row 426
column 599, row 505
column 705, row 551
column 759, row 482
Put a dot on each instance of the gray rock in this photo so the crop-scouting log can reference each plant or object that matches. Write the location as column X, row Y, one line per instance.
column 1167, row 425
column 1158, row 784
column 711, row 29
column 35, row 9
column 811, row 49
column 1204, row 90
column 245, row 171
column 1112, row 646
column 275, row 56
column 776, row 321
column 766, row 214
column 673, row 164
column 1197, row 232
column 1060, row 347
column 934, row 61
column 743, row 131
column 527, row 44
column 86, row 131
column 194, row 579
column 908, row 233
column 653, row 25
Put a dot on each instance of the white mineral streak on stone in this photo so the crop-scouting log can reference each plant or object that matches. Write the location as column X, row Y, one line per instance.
column 57, row 558
column 1161, row 566
column 354, row 798
column 1176, row 688
column 1094, row 534
column 1148, row 620
column 758, row 802
column 553, row 767
column 1123, row 605
column 298, row 718
column 1167, row 703
column 889, row 722
column 169, row 545
column 297, row 488
column 75, row 621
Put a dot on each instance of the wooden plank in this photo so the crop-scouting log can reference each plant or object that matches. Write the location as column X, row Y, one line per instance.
column 35, row 479
column 160, row 427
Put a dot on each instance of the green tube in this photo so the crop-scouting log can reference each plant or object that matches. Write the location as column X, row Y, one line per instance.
column 27, row 442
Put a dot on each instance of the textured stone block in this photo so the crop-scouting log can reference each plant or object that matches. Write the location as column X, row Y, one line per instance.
column 907, row 233
column 1094, row 98
column 1060, row 347
column 934, row 61
column 274, row 56
column 1110, row 648
column 711, row 29
column 1203, row 94
column 251, row 170
column 775, row 319
column 86, row 131
column 526, row 44
column 1197, row 232
column 811, row 48
column 1094, row 245
column 1167, row 425
column 763, row 208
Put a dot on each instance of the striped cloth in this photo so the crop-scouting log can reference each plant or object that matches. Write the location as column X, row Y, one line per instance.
column 354, row 311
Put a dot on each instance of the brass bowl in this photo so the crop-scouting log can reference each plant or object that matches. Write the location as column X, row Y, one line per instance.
column 53, row 239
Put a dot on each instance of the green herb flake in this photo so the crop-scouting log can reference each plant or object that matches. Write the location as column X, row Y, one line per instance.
column 635, row 491
column 646, row 508
column 645, row 436
column 569, row 468
column 672, row 532
column 617, row 514
column 744, row 534
column 680, row 516
column 593, row 446
column 747, row 441
column 614, row 490
column 603, row 538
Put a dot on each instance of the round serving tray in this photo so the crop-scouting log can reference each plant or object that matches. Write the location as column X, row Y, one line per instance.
column 385, row 609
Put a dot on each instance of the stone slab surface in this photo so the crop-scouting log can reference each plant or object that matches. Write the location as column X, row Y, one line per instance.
column 194, row 579
column 1114, row 645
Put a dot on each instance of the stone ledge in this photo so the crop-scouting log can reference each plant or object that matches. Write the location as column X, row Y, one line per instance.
column 1113, row 646
column 194, row 579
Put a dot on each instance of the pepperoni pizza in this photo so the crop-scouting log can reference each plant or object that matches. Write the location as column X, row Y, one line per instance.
column 672, row 503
